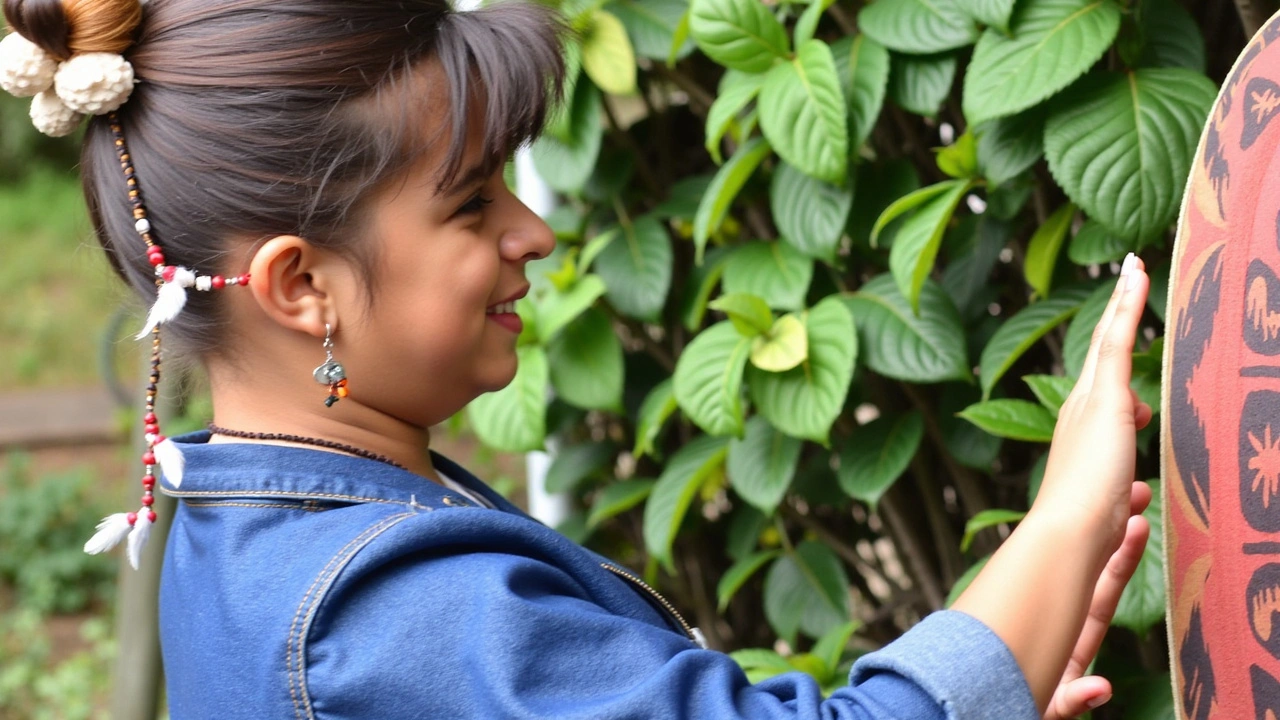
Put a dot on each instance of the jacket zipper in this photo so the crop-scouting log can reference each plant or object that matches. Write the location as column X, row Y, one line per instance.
column 693, row 633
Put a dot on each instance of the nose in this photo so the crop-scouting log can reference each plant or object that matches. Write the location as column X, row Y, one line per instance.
column 528, row 237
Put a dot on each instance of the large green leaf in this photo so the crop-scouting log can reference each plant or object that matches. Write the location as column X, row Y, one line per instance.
column 1050, row 390
column 738, row 574
column 652, row 26
column 903, row 205
column 762, row 464
column 805, row 401
column 880, row 185
column 586, row 363
column 737, row 90
column 918, row 26
column 1143, row 603
column 916, row 246
column 557, row 309
column 567, row 164
column 708, row 379
column 1009, row 146
column 636, row 269
column 1171, row 37
column 1013, row 419
column 973, row 250
column 575, row 463
column 748, row 313
column 657, row 407
column 897, row 343
column 803, row 113
column 739, row 34
column 688, row 468
column 990, row 12
column 1076, row 344
column 723, row 189
column 1121, row 145
column 607, row 56
column 774, row 271
column 1044, row 247
column 863, row 67
column 921, row 83
column 986, row 519
column 514, row 419
column 1052, row 42
column 876, row 455
column 806, row 590
column 617, row 499
column 968, row 444
column 1021, row 331
column 810, row 214
column 1095, row 245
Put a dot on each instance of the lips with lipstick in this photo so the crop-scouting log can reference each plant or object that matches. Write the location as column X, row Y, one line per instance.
column 504, row 312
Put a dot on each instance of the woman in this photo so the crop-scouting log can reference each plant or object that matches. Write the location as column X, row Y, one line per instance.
column 311, row 191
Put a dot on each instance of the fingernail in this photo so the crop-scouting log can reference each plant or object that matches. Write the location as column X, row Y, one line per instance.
column 1098, row 701
column 1126, row 267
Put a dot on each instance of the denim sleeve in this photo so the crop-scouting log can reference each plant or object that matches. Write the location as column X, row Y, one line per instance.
column 500, row 636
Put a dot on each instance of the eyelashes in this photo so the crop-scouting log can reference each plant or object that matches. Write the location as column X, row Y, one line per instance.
column 474, row 206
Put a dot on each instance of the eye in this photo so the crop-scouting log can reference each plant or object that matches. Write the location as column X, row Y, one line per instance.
column 475, row 205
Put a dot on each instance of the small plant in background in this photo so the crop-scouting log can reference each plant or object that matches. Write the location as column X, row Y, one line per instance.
column 43, row 525
column 827, row 271
column 33, row 687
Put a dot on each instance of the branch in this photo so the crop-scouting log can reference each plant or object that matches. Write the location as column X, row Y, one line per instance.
column 699, row 99
column 642, row 163
column 971, row 491
column 945, row 542
column 841, row 548
column 1251, row 16
column 910, row 548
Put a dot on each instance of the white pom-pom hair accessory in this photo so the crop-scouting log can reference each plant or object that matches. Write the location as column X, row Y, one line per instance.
column 94, row 83
column 52, row 117
column 26, row 70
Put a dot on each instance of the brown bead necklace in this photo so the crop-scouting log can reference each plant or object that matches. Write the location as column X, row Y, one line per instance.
column 318, row 442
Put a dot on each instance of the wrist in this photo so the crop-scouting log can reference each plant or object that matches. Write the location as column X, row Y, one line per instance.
column 1074, row 532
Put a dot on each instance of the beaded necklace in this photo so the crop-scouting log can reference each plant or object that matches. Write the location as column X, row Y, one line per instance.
column 301, row 440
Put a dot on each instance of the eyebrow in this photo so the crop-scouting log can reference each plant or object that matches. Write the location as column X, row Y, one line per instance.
column 476, row 172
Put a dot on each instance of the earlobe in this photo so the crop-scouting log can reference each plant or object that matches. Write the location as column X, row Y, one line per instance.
column 289, row 284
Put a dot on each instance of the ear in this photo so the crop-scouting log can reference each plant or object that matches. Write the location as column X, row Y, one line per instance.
column 292, row 283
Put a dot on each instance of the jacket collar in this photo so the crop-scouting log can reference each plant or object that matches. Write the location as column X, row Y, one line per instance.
column 254, row 470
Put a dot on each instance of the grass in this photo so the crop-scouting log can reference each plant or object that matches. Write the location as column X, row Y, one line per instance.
column 57, row 294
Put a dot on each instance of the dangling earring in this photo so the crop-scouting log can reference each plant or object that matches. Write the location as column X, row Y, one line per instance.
column 331, row 372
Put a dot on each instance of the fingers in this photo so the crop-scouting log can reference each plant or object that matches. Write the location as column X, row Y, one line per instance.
column 1110, row 586
column 1139, row 498
column 1142, row 413
column 1111, row 349
column 1077, row 697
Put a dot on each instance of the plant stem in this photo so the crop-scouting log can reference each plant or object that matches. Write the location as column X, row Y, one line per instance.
column 642, row 163
column 841, row 548
column 912, row 550
column 945, row 542
column 699, row 99
column 1251, row 16
column 972, row 494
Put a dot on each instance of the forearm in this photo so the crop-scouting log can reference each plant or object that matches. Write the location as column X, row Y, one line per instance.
column 1035, row 593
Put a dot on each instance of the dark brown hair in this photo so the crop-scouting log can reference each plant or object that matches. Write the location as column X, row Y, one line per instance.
column 255, row 118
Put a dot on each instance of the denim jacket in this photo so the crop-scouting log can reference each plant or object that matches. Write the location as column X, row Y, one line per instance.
column 304, row 584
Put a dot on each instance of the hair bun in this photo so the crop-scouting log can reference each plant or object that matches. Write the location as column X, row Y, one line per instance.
column 64, row 28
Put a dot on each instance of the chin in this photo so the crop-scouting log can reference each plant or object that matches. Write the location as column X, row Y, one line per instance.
column 498, row 375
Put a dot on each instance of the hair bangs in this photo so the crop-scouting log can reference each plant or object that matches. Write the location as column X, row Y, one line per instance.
column 505, row 61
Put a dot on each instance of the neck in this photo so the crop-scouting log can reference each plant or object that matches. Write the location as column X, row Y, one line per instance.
column 347, row 422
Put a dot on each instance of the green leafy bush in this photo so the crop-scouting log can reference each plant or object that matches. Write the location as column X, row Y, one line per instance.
column 44, row 522
column 805, row 360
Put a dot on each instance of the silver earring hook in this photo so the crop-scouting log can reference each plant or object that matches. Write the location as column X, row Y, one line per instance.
column 328, row 341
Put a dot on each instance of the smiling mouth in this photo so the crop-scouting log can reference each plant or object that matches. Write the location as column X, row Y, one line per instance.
column 502, row 309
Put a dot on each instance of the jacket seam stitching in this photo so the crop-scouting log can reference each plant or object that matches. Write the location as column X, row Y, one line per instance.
column 300, row 695
column 276, row 493
column 279, row 506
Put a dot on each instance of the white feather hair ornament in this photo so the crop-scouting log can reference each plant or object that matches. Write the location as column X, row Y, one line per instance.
column 94, row 83
column 139, row 536
column 172, row 462
column 26, row 70
column 111, row 531
column 170, row 300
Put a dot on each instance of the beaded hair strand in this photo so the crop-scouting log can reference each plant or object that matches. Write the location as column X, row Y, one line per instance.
column 172, row 282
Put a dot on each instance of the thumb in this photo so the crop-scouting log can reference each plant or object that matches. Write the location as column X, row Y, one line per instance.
column 1078, row 697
